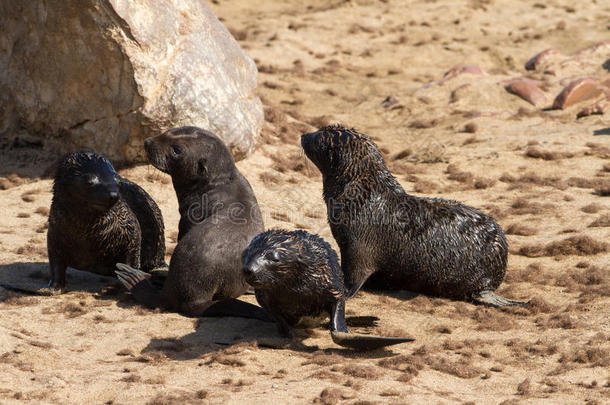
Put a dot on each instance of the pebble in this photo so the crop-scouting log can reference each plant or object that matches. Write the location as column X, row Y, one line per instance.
column 528, row 90
column 598, row 108
column 577, row 91
column 461, row 69
column 597, row 47
column 391, row 102
column 537, row 59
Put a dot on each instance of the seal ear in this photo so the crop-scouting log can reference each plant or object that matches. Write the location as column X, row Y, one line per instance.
column 201, row 169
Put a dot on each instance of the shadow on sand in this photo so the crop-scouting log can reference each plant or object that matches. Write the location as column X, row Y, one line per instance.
column 603, row 131
column 33, row 275
column 36, row 274
column 225, row 336
column 211, row 335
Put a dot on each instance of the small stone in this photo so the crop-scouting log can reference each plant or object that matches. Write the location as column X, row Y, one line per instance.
column 595, row 48
column 461, row 69
column 391, row 102
column 528, row 90
column 598, row 108
column 471, row 128
column 577, row 91
column 537, row 59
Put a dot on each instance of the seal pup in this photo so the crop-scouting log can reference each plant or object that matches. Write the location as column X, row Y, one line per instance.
column 398, row 241
column 219, row 215
column 98, row 218
column 296, row 274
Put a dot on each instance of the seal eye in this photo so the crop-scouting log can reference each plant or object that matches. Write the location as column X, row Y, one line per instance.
column 176, row 150
column 93, row 180
column 273, row 256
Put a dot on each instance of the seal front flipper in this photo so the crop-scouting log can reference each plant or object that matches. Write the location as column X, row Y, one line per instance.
column 342, row 336
column 47, row 291
column 139, row 285
column 337, row 317
column 487, row 297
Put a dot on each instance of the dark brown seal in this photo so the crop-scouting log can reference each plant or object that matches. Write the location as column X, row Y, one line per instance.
column 296, row 274
column 398, row 241
column 219, row 215
column 97, row 219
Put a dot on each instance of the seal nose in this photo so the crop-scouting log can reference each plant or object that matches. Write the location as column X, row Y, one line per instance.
column 113, row 196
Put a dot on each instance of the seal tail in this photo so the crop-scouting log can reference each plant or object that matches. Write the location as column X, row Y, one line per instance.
column 342, row 336
column 237, row 308
column 487, row 297
column 139, row 285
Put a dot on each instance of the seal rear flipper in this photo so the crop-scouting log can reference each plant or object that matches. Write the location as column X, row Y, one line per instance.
column 337, row 317
column 158, row 277
column 47, row 291
column 488, row 297
column 236, row 308
column 365, row 342
column 139, row 285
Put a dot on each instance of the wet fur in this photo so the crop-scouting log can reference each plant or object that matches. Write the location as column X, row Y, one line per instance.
column 295, row 274
column 87, row 235
column 395, row 240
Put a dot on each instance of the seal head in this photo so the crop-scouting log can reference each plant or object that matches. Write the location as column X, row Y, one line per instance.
column 88, row 180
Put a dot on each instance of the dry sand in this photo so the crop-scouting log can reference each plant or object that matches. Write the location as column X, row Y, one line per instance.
column 543, row 174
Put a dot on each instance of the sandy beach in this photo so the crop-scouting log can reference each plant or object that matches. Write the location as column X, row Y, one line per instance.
column 429, row 81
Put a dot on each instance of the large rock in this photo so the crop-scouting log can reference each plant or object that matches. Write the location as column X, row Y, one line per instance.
column 107, row 74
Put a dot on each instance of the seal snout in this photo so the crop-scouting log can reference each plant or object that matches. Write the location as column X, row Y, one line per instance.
column 250, row 272
column 113, row 195
column 155, row 153
column 307, row 140
column 107, row 196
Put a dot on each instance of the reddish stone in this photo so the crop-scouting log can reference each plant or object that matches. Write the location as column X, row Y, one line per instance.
column 594, row 48
column 528, row 90
column 539, row 58
column 461, row 69
column 577, row 91
column 605, row 87
column 598, row 108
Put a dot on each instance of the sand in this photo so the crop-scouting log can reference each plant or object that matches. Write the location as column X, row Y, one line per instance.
column 378, row 66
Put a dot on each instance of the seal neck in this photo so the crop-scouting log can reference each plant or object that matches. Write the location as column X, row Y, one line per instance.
column 359, row 184
column 200, row 199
